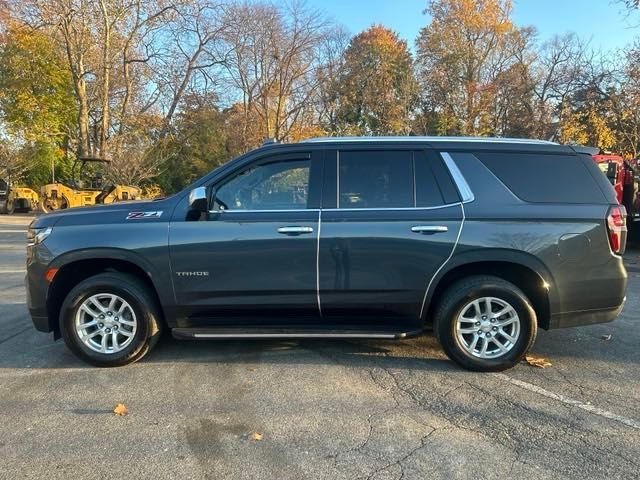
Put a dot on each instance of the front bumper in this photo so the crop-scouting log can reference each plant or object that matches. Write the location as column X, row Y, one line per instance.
column 37, row 287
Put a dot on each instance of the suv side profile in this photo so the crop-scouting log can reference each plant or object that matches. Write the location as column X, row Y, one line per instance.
column 486, row 240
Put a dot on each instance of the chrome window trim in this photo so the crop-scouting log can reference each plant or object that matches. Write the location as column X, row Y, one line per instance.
column 383, row 209
column 519, row 141
column 446, row 205
column 267, row 211
column 463, row 187
column 455, row 245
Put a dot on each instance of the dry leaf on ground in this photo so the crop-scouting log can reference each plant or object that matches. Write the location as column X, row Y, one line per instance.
column 606, row 337
column 120, row 410
column 255, row 436
column 537, row 361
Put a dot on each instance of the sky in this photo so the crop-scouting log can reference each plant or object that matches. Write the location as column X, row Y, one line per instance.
column 600, row 21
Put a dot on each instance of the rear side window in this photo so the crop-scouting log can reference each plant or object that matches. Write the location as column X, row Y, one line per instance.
column 544, row 178
column 375, row 179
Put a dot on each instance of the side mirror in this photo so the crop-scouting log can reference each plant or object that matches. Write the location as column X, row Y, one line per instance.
column 198, row 203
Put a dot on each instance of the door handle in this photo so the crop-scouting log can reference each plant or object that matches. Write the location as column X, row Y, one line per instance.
column 294, row 230
column 429, row 229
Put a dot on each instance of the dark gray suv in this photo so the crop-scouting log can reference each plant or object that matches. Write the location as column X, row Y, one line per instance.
column 485, row 240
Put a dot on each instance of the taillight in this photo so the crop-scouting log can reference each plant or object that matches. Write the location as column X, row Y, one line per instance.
column 617, row 228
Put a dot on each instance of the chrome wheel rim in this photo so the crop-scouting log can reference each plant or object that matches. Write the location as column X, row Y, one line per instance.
column 488, row 327
column 106, row 323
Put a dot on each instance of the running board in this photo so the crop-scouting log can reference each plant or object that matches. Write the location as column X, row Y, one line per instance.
column 265, row 333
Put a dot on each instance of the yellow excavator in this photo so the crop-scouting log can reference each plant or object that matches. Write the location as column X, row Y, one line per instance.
column 14, row 199
column 85, row 189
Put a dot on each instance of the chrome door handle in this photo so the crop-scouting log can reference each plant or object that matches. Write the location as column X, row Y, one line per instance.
column 429, row 229
column 294, row 230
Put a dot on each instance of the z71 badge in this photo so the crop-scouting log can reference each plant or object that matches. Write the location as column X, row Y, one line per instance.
column 141, row 215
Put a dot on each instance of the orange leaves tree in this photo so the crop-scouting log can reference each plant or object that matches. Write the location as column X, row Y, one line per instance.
column 463, row 57
column 377, row 90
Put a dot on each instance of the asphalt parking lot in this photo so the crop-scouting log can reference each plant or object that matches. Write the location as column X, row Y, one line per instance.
column 325, row 409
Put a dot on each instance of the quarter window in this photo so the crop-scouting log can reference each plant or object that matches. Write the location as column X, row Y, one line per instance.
column 375, row 179
column 271, row 186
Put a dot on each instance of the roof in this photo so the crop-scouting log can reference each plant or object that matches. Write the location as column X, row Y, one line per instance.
column 428, row 139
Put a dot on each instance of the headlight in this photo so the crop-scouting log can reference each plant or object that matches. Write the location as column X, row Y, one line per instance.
column 37, row 235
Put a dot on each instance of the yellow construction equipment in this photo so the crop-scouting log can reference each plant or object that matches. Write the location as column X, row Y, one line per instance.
column 14, row 199
column 85, row 190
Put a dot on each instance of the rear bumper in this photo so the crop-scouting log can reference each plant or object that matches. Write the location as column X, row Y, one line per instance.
column 585, row 317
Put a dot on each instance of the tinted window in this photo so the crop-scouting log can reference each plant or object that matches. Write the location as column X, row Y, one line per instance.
column 272, row 186
column 429, row 188
column 544, row 178
column 375, row 179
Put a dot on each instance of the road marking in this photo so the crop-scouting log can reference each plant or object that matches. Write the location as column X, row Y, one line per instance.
column 13, row 271
column 569, row 401
column 13, row 231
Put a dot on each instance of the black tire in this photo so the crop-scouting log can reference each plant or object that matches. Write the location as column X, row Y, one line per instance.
column 10, row 207
column 460, row 294
column 143, row 303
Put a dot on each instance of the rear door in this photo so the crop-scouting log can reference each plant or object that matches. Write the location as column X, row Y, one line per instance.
column 390, row 219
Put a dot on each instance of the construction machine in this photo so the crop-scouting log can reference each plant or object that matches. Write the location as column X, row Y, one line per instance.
column 85, row 188
column 14, row 199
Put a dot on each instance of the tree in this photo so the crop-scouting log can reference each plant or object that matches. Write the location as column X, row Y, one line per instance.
column 274, row 63
column 37, row 105
column 196, row 144
column 36, row 94
column 558, row 71
column 376, row 89
column 461, row 55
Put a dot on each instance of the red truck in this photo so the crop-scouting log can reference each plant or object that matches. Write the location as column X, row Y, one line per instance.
column 623, row 176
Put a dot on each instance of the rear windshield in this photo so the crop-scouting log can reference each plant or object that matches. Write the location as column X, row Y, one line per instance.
column 546, row 178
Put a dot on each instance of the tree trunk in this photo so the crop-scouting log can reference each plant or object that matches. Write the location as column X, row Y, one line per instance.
column 106, row 72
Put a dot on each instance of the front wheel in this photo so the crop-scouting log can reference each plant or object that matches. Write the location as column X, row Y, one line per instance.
column 110, row 319
column 485, row 323
column 10, row 207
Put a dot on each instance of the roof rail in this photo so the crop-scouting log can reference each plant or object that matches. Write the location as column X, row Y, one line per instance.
column 428, row 139
column 269, row 141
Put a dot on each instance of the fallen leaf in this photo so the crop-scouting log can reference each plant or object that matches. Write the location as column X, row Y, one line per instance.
column 537, row 361
column 251, row 369
column 255, row 436
column 606, row 337
column 120, row 410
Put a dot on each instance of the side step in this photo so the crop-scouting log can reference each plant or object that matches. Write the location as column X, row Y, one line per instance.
column 282, row 333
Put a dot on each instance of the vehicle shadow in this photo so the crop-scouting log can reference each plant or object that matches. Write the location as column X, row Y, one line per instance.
column 34, row 350
column 28, row 349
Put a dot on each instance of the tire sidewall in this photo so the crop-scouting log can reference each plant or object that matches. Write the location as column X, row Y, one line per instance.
column 93, row 286
column 528, row 328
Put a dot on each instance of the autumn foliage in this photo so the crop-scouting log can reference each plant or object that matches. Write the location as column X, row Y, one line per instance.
column 170, row 89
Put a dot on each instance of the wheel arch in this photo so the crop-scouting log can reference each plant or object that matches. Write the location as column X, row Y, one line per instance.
column 75, row 267
column 522, row 269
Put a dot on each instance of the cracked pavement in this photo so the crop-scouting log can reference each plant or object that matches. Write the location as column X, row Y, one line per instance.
column 327, row 409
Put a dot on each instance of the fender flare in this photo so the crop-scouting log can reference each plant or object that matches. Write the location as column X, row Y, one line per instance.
column 497, row 255
column 101, row 253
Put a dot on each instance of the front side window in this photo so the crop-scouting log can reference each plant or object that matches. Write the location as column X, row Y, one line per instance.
column 271, row 186
column 375, row 179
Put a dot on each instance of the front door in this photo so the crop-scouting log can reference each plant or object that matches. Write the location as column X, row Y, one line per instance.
column 392, row 220
column 254, row 260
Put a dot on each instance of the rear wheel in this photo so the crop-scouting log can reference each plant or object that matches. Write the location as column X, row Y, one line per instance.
column 485, row 323
column 110, row 320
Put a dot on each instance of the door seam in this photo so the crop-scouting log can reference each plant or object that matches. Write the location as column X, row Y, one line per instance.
column 455, row 245
column 318, row 263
